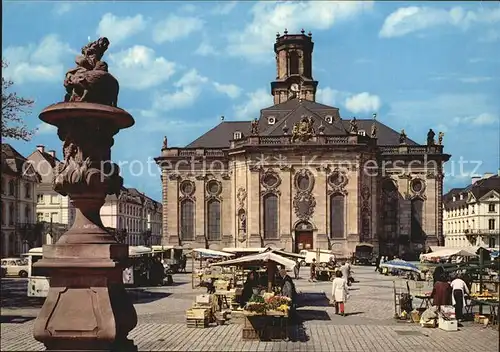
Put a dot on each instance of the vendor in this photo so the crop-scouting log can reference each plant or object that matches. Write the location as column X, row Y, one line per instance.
column 288, row 290
column 251, row 283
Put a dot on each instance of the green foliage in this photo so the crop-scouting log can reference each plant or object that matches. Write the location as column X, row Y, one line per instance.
column 13, row 109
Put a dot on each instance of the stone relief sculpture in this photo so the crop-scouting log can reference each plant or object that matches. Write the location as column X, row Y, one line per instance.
column 303, row 130
column 303, row 205
column 90, row 81
column 337, row 181
column 241, row 195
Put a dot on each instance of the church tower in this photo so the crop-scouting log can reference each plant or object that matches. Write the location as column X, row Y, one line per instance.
column 293, row 68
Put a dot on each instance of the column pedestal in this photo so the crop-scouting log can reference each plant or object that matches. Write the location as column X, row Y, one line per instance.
column 87, row 307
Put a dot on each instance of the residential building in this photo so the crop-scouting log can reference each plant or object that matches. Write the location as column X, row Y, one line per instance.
column 19, row 179
column 471, row 215
column 136, row 213
column 302, row 177
column 52, row 209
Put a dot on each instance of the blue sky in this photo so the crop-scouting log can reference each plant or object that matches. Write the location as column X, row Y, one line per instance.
column 181, row 65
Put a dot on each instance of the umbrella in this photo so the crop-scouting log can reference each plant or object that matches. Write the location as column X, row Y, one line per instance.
column 400, row 265
column 212, row 253
column 259, row 259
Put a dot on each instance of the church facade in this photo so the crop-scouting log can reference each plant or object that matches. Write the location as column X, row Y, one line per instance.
column 301, row 177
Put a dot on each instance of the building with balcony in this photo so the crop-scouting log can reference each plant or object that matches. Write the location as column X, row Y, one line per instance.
column 53, row 210
column 137, row 214
column 302, row 177
column 471, row 215
column 18, row 183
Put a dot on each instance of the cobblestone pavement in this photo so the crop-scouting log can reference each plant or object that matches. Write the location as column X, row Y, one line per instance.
column 369, row 325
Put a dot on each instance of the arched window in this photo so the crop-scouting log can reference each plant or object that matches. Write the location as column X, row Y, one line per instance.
column 417, row 207
column 270, row 216
column 390, row 209
column 187, row 220
column 337, row 216
column 213, row 220
column 294, row 63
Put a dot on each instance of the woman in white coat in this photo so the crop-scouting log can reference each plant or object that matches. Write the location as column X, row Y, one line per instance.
column 459, row 289
column 339, row 293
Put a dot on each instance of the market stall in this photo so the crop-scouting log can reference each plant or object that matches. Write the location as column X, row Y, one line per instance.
column 400, row 267
column 265, row 315
column 204, row 273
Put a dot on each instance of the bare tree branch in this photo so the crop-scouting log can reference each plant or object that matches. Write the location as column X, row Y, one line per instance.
column 13, row 106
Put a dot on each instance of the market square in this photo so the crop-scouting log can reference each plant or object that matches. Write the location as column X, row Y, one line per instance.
column 156, row 197
column 368, row 326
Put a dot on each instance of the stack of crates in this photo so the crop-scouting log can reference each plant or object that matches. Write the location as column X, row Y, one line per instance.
column 197, row 317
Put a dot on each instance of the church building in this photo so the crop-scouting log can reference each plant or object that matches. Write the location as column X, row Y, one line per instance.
column 302, row 177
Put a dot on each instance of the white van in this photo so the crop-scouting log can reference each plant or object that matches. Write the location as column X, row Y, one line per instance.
column 324, row 256
column 15, row 266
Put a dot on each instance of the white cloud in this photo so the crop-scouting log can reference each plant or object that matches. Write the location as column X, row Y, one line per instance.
column 490, row 36
column 231, row 90
column 329, row 96
column 117, row 29
column 61, row 8
column 406, row 20
column 446, row 109
column 176, row 27
column 254, row 102
column 189, row 8
column 37, row 63
column 269, row 17
column 477, row 79
column 45, row 128
column 206, row 49
column 138, row 67
column 189, row 88
column 363, row 103
column 224, row 8
column 478, row 120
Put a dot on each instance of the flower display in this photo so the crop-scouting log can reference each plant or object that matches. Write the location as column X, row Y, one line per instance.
column 276, row 301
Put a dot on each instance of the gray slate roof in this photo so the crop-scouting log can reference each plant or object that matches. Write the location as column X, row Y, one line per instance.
column 289, row 113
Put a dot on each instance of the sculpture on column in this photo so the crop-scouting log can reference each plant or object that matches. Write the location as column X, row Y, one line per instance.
column 402, row 137
column 255, row 127
column 353, row 126
column 87, row 262
column 165, row 143
column 440, row 138
column 430, row 137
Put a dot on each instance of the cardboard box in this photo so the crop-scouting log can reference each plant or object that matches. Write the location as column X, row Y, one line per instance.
column 448, row 325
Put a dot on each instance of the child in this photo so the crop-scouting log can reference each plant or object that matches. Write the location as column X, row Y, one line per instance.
column 339, row 293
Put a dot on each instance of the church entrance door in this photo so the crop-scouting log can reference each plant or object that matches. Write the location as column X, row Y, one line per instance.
column 303, row 240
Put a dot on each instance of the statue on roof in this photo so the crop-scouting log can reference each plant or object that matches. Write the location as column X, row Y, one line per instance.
column 90, row 81
column 165, row 143
column 373, row 133
column 430, row 137
column 353, row 126
column 255, row 127
column 303, row 130
column 402, row 137
column 440, row 138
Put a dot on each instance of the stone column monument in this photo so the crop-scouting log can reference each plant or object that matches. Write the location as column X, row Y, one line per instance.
column 87, row 307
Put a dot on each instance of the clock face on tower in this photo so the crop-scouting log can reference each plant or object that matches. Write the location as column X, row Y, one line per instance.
column 294, row 87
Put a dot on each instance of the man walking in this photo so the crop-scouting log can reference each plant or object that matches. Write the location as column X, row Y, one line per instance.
column 296, row 268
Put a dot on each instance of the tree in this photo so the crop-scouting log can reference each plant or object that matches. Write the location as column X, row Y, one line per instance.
column 13, row 106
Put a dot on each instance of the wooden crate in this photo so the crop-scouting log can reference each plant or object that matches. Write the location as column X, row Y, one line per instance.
column 197, row 323
column 197, row 313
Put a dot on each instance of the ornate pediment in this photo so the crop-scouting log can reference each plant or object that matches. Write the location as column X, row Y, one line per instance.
column 303, row 130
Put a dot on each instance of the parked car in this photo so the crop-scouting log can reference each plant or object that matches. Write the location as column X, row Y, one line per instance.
column 15, row 267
